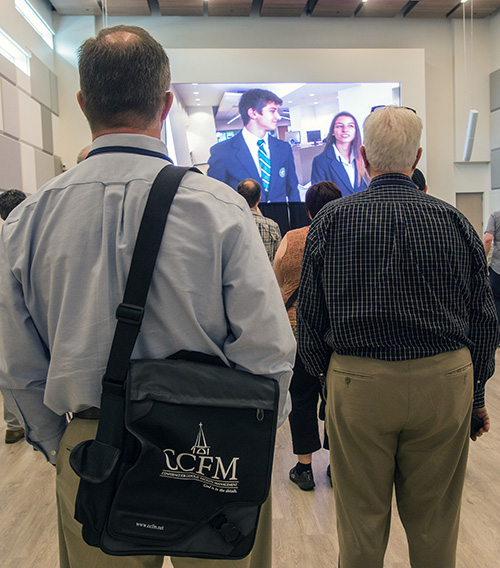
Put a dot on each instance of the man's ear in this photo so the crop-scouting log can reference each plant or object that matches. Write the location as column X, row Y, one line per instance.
column 252, row 113
column 80, row 101
column 169, row 99
column 419, row 155
column 363, row 155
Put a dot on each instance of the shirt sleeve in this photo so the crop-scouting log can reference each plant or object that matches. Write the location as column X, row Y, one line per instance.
column 490, row 227
column 260, row 339
column 312, row 314
column 24, row 361
column 484, row 330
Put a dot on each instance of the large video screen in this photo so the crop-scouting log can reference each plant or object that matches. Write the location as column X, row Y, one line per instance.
column 287, row 136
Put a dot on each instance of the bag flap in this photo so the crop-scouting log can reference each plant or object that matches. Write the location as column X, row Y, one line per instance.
column 94, row 461
column 199, row 384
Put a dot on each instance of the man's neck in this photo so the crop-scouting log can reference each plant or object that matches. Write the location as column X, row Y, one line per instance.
column 256, row 130
column 152, row 131
column 376, row 174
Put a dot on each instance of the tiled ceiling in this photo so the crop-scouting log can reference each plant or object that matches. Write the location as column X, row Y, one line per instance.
column 282, row 8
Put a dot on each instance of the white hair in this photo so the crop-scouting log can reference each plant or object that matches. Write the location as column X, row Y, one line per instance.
column 392, row 139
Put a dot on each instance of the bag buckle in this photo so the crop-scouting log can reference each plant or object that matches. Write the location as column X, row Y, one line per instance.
column 229, row 531
column 128, row 313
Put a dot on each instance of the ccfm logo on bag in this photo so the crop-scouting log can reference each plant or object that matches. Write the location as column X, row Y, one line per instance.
column 199, row 465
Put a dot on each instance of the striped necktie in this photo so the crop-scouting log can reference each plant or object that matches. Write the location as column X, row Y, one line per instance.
column 265, row 165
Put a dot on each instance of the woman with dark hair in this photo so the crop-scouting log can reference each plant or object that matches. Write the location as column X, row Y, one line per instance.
column 305, row 389
column 341, row 161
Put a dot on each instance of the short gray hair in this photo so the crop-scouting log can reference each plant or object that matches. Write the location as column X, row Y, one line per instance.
column 392, row 138
column 124, row 75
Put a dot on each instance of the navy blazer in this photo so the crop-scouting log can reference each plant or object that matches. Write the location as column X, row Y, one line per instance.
column 231, row 162
column 325, row 166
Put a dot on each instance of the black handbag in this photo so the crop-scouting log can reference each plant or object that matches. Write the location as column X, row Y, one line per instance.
column 183, row 455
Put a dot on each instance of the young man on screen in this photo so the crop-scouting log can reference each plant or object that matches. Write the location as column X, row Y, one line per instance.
column 253, row 153
column 64, row 260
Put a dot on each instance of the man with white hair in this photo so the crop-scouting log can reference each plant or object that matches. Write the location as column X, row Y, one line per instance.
column 402, row 324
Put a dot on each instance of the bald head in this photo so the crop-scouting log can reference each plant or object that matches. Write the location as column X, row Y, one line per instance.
column 124, row 75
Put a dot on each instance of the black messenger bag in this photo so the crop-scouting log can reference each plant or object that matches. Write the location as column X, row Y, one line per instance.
column 182, row 460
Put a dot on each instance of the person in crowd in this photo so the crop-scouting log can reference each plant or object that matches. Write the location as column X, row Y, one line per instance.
column 64, row 263
column 82, row 154
column 14, row 431
column 418, row 179
column 253, row 153
column 269, row 230
column 341, row 161
column 405, row 331
column 492, row 235
column 305, row 389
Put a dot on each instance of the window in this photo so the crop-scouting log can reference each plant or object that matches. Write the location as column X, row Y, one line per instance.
column 36, row 21
column 14, row 52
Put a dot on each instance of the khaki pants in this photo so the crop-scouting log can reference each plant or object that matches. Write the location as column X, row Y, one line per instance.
column 75, row 553
column 405, row 425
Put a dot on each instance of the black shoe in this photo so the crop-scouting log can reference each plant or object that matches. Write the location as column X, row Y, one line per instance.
column 329, row 475
column 304, row 480
column 13, row 436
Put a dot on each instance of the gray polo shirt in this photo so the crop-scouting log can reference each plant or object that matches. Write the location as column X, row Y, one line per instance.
column 493, row 228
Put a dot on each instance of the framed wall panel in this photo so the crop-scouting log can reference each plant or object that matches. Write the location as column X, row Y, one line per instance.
column 28, row 168
column 10, row 163
column 495, row 90
column 40, row 82
column 47, row 135
column 10, row 108
column 44, row 167
column 7, row 69
column 30, row 120
column 495, row 169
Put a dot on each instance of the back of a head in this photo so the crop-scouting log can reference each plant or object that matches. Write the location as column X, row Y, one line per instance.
column 124, row 75
column 418, row 179
column 82, row 154
column 256, row 99
column 250, row 189
column 319, row 194
column 392, row 139
column 9, row 200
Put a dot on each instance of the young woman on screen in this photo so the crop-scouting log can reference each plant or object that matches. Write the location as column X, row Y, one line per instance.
column 341, row 161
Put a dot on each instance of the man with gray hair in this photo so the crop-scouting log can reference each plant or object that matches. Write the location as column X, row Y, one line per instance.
column 64, row 263
column 404, row 329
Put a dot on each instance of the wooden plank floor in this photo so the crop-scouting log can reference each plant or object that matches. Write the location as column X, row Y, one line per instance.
column 304, row 524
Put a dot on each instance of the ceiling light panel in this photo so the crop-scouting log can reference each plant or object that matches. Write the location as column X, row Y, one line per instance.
column 77, row 7
column 127, row 7
column 181, row 7
column 335, row 8
column 287, row 8
column 229, row 7
column 385, row 9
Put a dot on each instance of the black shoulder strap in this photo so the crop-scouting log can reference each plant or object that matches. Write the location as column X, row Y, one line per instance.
column 292, row 298
column 130, row 312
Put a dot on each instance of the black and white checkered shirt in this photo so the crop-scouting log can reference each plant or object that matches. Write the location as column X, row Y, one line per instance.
column 392, row 273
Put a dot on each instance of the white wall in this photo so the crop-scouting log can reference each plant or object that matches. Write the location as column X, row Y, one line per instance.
column 299, row 49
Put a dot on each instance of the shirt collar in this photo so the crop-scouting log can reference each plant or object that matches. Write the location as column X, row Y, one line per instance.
column 132, row 140
column 251, row 139
column 399, row 179
column 339, row 156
